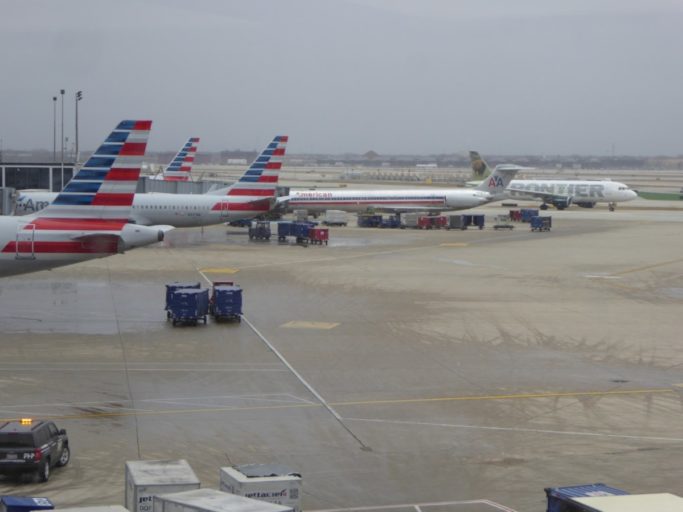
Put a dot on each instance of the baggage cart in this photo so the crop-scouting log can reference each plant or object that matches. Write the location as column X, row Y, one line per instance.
column 210, row 500
column 319, row 235
column 24, row 504
column 527, row 213
column 561, row 499
column 189, row 305
column 259, row 230
column 274, row 483
column 298, row 230
column 539, row 223
column 226, row 301
column 516, row 215
column 171, row 287
column 477, row 220
column 147, row 478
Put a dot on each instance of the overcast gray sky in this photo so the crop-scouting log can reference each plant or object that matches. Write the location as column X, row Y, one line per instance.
column 395, row 76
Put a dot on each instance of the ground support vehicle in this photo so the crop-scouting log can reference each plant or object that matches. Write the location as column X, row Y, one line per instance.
column 172, row 287
column 259, row 230
column 226, row 301
column 369, row 220
column 32, row 446
column 335, row 218
column 299, row 230
column 539, row 223
column 188, row 306
column 319, row 235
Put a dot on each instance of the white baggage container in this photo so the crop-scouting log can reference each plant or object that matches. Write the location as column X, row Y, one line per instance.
column 273, row 483
column 146, row 478
column 210, row 500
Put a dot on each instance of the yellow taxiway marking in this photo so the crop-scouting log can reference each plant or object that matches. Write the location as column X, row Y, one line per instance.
column 224, row 270
column 309, row 325
column 522, row 396
column 454, row 244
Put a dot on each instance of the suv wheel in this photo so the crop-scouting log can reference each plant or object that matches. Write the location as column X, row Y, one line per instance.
column 64, row 458
column 44, row 471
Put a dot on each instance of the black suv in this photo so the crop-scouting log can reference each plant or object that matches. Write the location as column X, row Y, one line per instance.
column 32, row 446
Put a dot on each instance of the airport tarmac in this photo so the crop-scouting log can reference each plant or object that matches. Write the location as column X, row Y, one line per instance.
column 402, row 369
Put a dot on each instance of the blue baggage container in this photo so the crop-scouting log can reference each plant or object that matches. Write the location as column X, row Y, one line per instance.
column 299, row 230
column 560, row 498
column 24, row 504
column 226, row 303
column 474, row 220
column 189, row 305
column 391, row 222
column 171, row 287
column 527, row 213
column 539, row 223
column 369, row 221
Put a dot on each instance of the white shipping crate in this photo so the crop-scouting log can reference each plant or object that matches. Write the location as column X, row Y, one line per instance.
column 210, row 500
column 146, row 478
column 336, row 218
column 268, row 482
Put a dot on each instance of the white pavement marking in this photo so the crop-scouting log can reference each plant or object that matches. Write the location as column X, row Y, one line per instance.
column 518, row 429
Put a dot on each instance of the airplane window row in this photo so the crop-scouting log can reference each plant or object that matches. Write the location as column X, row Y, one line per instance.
column 172, row 207
column 362, row 198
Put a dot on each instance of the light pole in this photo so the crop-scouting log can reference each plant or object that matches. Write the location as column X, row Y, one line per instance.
column 54, row 128
column 79, row 97
column 61, row 140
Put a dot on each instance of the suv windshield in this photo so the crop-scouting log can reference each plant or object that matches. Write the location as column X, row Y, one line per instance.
column 16, row 440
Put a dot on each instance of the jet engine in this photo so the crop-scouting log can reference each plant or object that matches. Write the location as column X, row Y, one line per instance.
column 134, row 235
column 589, row 204
column 561, row 202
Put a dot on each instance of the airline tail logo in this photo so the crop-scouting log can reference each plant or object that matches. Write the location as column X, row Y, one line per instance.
column 181, row 166
column 260, row 179
column 104, row 187
column 496, row 182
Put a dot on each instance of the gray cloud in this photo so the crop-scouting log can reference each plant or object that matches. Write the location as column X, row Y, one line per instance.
column 396, row 76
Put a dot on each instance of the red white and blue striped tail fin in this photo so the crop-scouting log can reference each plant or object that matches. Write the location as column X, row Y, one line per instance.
column 261, row 178
column 181, row 166
column 105, row 186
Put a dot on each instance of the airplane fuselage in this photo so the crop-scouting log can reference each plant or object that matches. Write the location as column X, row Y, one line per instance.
column 387, row 200
column 179, row 210
column 581, row 191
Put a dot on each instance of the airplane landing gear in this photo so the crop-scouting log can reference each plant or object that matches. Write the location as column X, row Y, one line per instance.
column 543, row 207
column 612, row 206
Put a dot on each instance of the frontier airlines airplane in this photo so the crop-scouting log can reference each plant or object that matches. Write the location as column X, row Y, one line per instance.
column 89, row 218
column 562, row 193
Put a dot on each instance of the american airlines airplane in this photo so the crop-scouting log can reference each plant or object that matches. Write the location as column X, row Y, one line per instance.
column 181, row 166
column 253, row 194
column 562, row 193
column 89, row 218
column 403, row 201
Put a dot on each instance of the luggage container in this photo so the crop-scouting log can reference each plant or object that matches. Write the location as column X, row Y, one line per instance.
column 527, row 213
column 24, row 504
column 210, row 500
column 274, row 483
column 226, row 302
column 409, row 220
column 477, row 220
column 189, row 305
column 539, row 223
column 456, row 222
column 561, row 499
column 259, row 230
column 657, row 502
column 390, row 222
column 298, row 230
column 516, row 215
column 146, row 478
column 319, row 235
column 171, row 287
column 300, row 215
column 335, row 218
column 368, row 220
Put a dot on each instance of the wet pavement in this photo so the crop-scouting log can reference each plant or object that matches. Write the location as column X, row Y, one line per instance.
column 391, row 368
